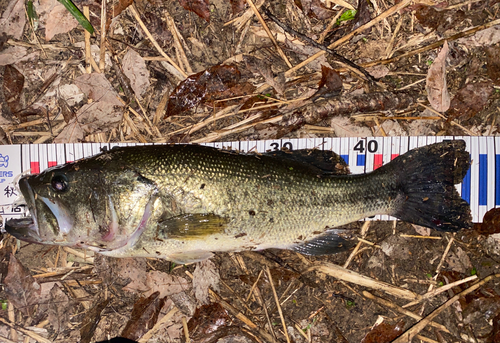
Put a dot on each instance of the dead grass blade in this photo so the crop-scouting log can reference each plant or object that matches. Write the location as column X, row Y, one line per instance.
column 414, row 330
column 155, row 43
column 285, row 331
column 362, row 280
column 399, row 309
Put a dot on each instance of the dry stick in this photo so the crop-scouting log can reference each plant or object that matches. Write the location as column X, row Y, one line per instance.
column 414, row 330
column 362, row 280
column 339, row 58
column 421, row 237
column 277, row 303
column 245, row 17
column 102, row 51
column 218, row 135
column 434, row 45
column 399, row 309
column 160, row 109
column 158, row 325
column 444, row 288
column 253, row 286
column 364, row 229
column 33, row 335
column 88, row 66
column 155, row 43
column 154, row 128
column 186, row 330
column 268, row 337
column 12, row 318
column 469, row 132
column 264, row 25
column 389, row 48
column 178, row 43
column 347, row 37
column 326, row 31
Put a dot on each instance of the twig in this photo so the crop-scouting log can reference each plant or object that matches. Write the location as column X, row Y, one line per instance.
column 242, row 317
column 33, row 335
column 414, row 330
column 362, row 280
column 245, row 17
column 186, row 331
column 326, row 31
column 158, row 325
column 271, row 37
column 160, row 109
column 347, row 37
column 102, row 51
column 88, row 65
column 364, row 229
column 469, row 132
column 218, row 135
column 155, row 43
column 399, row 309
column 278, row 304
column 253, row 286
column 421, row 237
column 434, row 45
column 348, row 63
column 177, row 40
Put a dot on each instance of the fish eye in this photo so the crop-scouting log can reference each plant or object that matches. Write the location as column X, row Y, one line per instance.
column 60, row 183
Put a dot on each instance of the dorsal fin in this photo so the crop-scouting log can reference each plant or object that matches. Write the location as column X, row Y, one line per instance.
column 327, row 162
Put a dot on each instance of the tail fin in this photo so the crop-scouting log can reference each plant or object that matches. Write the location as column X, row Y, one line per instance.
column 425, row 180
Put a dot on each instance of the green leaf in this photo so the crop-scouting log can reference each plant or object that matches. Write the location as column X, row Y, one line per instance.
column 75, row 12
column 473, row 271
column 347, row 15
column 350, row 303
column 33, row 17
column 4, row 304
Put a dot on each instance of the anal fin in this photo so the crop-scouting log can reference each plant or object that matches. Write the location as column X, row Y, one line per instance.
column 328, row 243
column 190, row 256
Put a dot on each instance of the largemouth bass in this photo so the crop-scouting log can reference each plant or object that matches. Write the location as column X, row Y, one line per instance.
column 184, row 202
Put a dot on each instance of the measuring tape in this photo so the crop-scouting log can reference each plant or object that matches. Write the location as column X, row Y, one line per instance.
column 480, row 187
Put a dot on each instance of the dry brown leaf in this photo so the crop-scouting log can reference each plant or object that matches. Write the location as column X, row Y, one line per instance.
column 459, row 261
column 165, row 283
column 205, row 276
column 12, row 86
column 330, row 83
column 134, row 68
column 470, row 100
column 13, row 19
column 59, row 20
column 214, row 83
column 12, row 54
column 144, row 316
column 493, row 63
column 421, row 230
column 200, row 7
column 384, row 332
column 436, row 87
column 20, row 287
column 487, row 37
column 58, row 309
column 94, row 117
column 98, row 88
column 379, row 71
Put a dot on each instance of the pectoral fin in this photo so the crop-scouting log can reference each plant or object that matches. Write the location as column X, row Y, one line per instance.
column 191, row 226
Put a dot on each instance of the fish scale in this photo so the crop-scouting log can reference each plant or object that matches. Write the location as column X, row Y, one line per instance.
column 183, row 202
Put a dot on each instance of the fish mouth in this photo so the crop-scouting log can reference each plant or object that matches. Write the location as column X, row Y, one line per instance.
column 26, row 228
